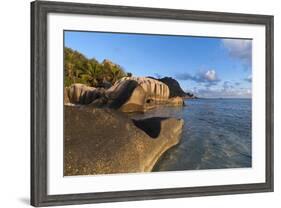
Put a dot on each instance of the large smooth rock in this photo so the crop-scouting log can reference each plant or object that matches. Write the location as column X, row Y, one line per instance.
column 102, row 141
column 129, row 94
column 146, row 94
column 119, row 94
column 81, row 94
column 154, row 89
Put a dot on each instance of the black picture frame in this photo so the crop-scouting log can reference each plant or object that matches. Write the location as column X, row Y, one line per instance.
column 39, row 12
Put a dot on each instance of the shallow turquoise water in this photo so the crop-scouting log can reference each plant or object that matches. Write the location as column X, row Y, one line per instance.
column 216, row 134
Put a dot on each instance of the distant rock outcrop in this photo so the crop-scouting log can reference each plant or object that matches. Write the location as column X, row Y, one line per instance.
column 175, row 88
column 117, row 144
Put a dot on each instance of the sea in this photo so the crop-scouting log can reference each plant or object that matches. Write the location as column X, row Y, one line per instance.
column 217, row 134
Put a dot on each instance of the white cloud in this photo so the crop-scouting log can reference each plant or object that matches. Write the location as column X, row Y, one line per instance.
column 208, row 78
column 223, row 93
column 239, row 49
column 210, row 75
column 228, row 89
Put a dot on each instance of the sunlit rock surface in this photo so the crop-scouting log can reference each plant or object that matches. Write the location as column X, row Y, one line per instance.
column 102, row 141
column 129, row 94
column 82, row 94
column 154, row 89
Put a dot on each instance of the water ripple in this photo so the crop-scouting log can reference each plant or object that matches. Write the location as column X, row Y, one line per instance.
column 216, row 134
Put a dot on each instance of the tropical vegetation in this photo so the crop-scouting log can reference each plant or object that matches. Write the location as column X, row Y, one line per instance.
column 79, row 69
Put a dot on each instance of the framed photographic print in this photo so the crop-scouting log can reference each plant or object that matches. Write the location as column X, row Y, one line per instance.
column 131, row 103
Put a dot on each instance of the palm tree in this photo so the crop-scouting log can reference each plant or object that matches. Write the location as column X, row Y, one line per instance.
column 116, row 74
column 91, row 74
column 79, row 69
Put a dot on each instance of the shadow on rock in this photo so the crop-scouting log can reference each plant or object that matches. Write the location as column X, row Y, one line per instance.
column 151, row 126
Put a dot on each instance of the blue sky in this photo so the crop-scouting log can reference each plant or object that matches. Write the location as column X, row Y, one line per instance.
column 208, row 67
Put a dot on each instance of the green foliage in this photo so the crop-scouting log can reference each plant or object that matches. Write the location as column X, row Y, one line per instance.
column 79, row 69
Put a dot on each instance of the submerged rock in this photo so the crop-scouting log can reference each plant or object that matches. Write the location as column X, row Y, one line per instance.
column 102, row 141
